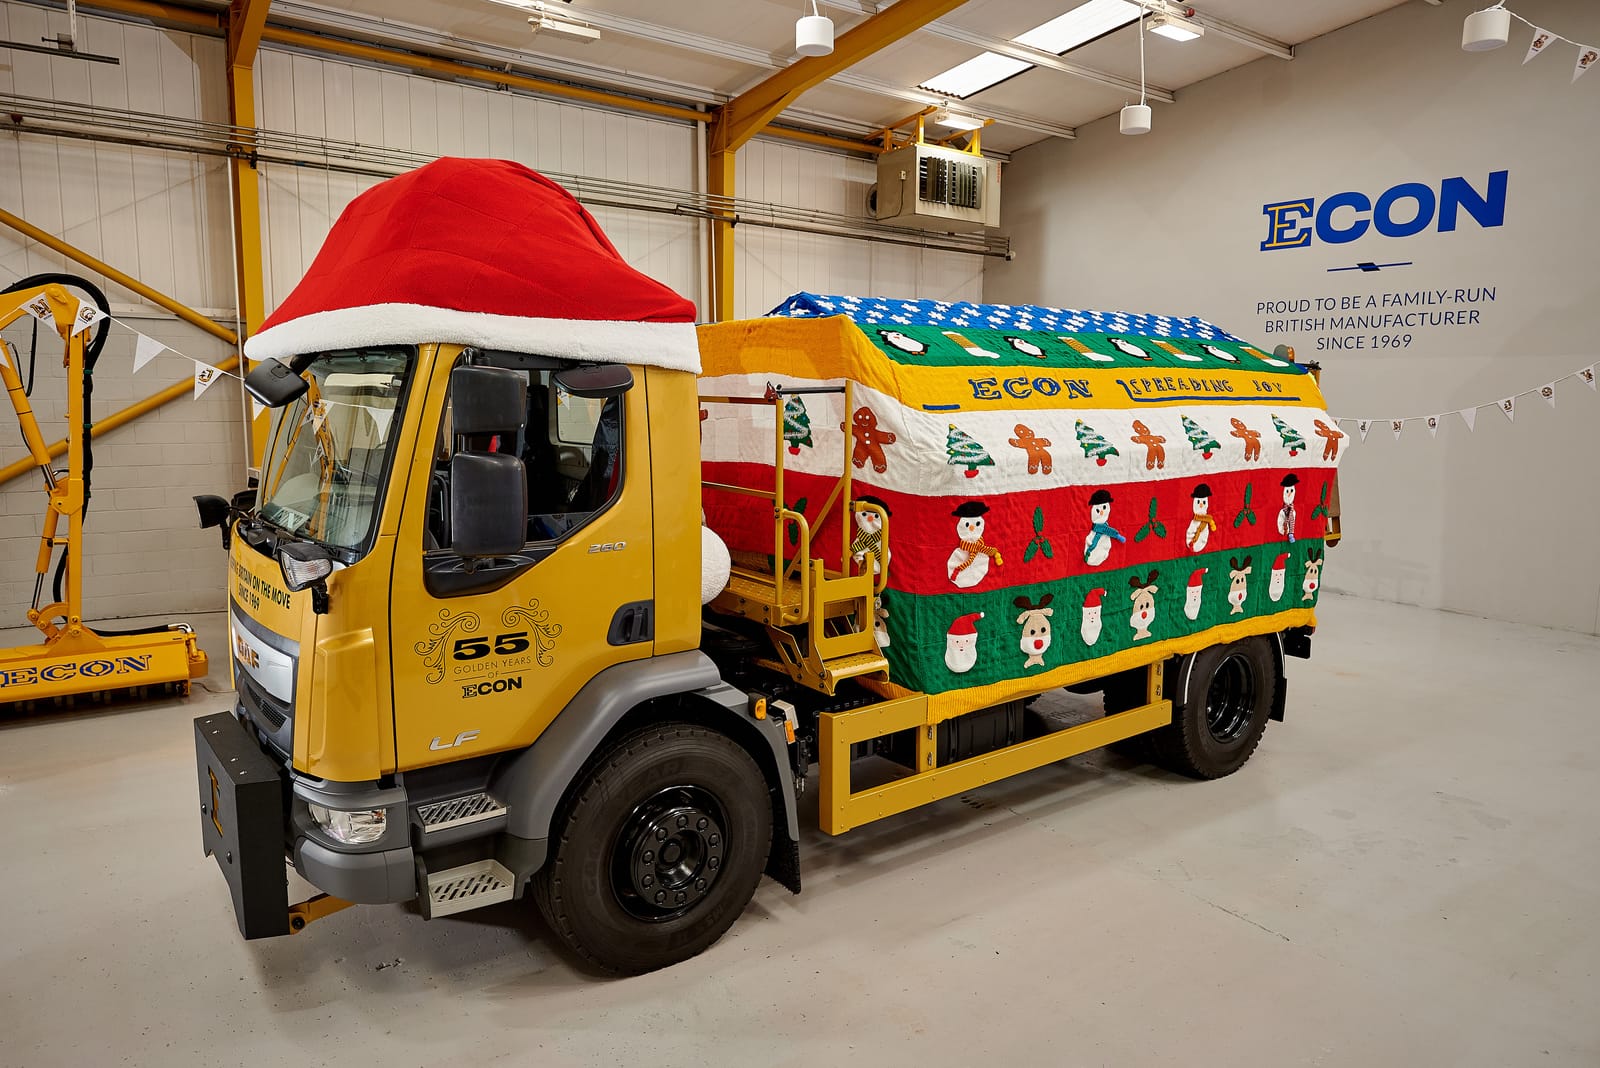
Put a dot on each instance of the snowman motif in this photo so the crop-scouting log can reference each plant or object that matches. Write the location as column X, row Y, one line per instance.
column 1097, row 546
column 1091, row 617
column 1275, row 581
column 969, row 561
column 1191, row 597
column 1201, row 526
column 1286, row 513
column 880, row 623
column 961, row 643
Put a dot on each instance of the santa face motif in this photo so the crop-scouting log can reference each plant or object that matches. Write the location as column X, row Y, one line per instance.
column 960, row 652
column 1091, row 625
column 1275, row 584
column 1191, row 602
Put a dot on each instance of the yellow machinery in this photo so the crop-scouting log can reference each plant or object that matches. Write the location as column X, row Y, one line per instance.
column 75, row 659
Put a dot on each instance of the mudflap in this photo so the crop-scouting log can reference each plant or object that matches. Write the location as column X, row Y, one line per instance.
column 242, row 822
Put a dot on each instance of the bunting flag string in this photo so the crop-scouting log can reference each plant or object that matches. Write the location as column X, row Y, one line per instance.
column 1588, row 55
column 1507, row 405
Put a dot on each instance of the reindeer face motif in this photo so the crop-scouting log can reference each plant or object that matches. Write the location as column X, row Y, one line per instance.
column 1237, row 584
column 1035, row 623
column 1144, row 604
column 1313, row 575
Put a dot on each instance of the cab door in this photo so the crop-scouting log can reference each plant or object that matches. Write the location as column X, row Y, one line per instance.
column 484, row 659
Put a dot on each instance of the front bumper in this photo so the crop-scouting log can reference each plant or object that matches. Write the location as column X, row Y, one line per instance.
column 245, row 822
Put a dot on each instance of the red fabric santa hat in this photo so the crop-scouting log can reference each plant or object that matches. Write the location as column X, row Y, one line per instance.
column 478, row 252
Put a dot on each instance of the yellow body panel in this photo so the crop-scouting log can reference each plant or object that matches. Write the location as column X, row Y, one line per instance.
column 675, row 486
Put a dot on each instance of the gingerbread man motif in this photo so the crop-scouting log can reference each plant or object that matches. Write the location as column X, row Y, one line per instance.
column 869, row 440
column 1251, row 439
column 1155, row 446
column 1330, row 451
column 1037, row 448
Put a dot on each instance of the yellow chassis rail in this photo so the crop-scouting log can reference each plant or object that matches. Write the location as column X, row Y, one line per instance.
column 840, row 808
column 74, row 659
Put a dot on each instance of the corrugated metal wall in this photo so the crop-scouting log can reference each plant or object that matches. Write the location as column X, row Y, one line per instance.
column 164, row 218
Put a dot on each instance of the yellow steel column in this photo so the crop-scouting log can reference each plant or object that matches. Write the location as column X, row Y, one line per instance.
column 246, row 20
column 720, row 174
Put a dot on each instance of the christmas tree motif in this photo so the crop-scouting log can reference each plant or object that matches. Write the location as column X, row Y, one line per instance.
column 1094, row 446
column 1202, row 442
column 964, row 451
column 796, row 425
column 1291, row 437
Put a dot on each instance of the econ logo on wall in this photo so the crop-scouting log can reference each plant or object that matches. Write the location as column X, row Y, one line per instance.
column 1381, row 293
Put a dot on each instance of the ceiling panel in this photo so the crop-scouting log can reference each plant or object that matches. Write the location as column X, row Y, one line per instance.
column 740, row 42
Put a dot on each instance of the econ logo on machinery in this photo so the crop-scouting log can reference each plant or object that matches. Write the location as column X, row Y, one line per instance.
column 93, row 669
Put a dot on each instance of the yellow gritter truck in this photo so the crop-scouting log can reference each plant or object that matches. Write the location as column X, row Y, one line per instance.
column 543, row 593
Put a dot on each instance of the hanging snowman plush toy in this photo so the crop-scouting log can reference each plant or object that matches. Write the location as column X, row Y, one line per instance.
column 1097, row 546
column 1286, row 513
column 1201, row 526
column 961, row 643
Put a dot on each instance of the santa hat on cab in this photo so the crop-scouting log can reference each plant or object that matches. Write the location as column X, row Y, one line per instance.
column 478, row 252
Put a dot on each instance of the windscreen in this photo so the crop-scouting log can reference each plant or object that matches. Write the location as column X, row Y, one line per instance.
column 330, row 448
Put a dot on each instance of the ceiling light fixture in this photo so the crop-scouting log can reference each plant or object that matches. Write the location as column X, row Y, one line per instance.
column 813, row 33
column 954, row 120
column 1135, row 118
column 1177, row 26
column 1486, row 29
column 543, row 19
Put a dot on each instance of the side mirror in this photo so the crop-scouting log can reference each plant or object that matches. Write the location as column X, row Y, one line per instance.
column 487, row 400
column 595, row 380
column 215, row 512
column 275, row 383
column 488, row 503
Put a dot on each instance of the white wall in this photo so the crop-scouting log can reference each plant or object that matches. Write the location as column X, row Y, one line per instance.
column 165, row 219
column 1499, row 522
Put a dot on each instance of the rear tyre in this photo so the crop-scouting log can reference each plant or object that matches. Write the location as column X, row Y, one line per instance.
column 658, row 851
column 1218, row 719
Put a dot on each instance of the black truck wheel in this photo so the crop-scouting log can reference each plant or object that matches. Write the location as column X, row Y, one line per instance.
column 659, row 849
column 1227, row 694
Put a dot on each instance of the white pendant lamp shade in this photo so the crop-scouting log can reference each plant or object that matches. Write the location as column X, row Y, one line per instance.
column 1486, row 29
column 813, row 35
column 1136, row 119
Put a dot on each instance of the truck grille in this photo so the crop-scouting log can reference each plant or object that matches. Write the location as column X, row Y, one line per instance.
column 269, row 715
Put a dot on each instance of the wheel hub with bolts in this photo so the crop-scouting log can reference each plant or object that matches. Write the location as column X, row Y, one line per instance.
column 669, row 853
column 1230, row 699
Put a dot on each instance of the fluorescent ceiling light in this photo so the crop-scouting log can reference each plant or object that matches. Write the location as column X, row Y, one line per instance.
column 1080, row 25
column 1176, row 27
column 975, row 74
column 954, row 120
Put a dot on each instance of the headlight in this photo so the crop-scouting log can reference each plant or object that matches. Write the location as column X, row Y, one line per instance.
column 351, row 828
column 304, row 565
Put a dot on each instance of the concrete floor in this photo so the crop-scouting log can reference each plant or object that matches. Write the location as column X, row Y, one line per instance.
column 1406, row 873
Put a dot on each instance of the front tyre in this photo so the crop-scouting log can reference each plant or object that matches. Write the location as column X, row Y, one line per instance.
column 658, row 851
column 1218, row 719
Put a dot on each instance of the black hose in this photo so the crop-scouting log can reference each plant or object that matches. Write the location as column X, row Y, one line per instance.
column 91, row 355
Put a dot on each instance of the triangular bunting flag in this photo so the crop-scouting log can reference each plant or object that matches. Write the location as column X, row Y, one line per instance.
column 1397, row 425
column 144, row 350
column 1364, row 425
column 1433, row 425
column 1548, row 392
column 1509, row 406
column 1587, row 374
column 1541, row 40
column 1587, row 57
column 39, row 308
column 204, row 375
column 1469, row 416
column 87, row 315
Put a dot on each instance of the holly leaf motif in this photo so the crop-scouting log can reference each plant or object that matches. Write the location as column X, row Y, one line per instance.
column 1044, row 546
column 1028, row 553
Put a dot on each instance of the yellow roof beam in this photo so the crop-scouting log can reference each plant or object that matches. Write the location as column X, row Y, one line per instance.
column 246, row 20
column 746, row 114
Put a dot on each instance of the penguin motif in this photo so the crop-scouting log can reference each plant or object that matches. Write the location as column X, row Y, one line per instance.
column 1212, row 350
column 1027, row 348
column 1127, row 348
column 896, row 339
